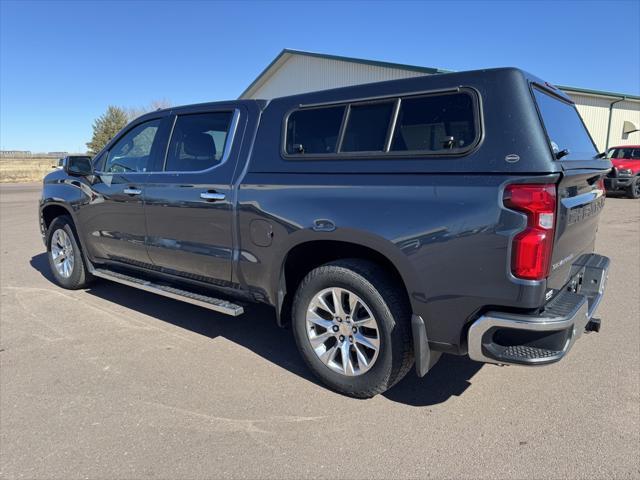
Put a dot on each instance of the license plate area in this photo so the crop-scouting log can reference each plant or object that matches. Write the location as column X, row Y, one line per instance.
column 588, row 278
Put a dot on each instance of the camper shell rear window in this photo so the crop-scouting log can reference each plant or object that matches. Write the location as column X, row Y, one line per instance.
column 423, row 124
column 568, row 137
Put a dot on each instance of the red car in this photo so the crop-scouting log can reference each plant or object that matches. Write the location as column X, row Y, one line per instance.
column 625, row 174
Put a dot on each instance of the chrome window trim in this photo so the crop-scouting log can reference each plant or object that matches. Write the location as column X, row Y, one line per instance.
column 166, row 148
column 233, row 126
column 342, row 131
column 228, row 143
column 478, row 117
column 392, row 125
column 388, row 135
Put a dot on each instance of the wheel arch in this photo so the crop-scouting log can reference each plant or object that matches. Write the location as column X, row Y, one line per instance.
column 51, row 210
column 304, row 256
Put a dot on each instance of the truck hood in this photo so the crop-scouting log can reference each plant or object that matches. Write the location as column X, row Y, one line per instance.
column 620, row 163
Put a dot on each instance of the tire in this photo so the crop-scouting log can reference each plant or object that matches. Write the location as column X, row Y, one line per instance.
column 374, row 295
column 633, row 191
column 61, row 235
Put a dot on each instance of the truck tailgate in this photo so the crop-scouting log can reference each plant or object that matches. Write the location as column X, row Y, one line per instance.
column 580, row 201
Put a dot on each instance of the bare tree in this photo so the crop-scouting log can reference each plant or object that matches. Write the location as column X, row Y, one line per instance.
column 135, row 112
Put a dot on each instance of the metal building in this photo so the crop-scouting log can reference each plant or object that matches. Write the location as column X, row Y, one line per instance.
column 612, row 118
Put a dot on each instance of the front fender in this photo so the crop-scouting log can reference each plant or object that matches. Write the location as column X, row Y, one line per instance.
column 70, row 193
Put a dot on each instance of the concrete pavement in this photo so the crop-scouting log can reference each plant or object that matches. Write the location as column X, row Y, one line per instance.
column 113, row 382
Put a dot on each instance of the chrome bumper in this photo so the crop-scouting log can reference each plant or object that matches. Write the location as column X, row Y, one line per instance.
column 515, row 339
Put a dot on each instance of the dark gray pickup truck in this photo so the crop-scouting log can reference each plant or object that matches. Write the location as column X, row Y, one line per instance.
column 387, row 223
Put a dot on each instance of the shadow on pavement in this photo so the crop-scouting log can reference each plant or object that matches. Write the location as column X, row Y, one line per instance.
column 448, row 378
column 257, row 331
column 618, row 196
column 41, row 263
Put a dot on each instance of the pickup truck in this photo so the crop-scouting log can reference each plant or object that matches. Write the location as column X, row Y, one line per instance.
column 625, row 174
column 385, row 223
column 76, row 158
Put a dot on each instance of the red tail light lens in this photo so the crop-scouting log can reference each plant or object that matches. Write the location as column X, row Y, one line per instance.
column 532, row 248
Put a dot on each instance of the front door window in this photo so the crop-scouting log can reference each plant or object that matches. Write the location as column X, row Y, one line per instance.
column 132, row 153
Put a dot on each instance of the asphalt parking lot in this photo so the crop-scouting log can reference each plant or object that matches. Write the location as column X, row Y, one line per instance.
column 113, row 382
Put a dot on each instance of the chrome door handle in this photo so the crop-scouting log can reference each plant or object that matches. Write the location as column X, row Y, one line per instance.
column 212, row 196
column 132, row 191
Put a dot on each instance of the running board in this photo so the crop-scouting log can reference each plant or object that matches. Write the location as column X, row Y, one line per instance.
column 215, row 304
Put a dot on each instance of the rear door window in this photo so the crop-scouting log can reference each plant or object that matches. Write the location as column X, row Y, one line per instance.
column 198, row 141
column 568, row 137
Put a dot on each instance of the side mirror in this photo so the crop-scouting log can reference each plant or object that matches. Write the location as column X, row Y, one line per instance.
column 79, row 166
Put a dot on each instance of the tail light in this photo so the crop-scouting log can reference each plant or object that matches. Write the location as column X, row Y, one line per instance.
column 532, row 248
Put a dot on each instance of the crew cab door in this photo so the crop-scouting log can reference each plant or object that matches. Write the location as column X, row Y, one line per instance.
column 188, row 202
column 113, row 222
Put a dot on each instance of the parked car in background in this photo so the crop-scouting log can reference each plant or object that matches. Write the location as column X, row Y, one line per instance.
column 386, row 223
column 625, row 174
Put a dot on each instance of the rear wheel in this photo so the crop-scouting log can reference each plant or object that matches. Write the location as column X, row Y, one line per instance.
column 65, row 258
column 633, row 190
column 352, row 327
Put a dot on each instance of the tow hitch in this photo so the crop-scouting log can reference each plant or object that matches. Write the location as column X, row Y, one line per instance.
column 593, row 325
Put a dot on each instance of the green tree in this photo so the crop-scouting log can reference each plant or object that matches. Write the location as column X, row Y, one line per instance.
column 105, row 127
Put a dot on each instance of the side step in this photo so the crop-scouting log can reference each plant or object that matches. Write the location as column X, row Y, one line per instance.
column 205, row 301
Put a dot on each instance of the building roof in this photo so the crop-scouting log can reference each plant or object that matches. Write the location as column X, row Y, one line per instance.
column 600, row 93
column 286, row 53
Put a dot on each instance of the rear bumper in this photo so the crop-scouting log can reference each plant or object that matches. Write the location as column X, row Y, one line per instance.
column 517, row 339
column 617, row 183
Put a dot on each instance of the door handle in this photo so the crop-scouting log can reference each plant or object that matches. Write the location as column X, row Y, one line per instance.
column 212, row 196
column 132, row 191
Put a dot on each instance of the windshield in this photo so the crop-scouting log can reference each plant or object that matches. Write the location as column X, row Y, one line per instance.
column 630, row 153
column 567, row 134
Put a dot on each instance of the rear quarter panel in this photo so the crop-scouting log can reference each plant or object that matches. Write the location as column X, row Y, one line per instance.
column 447, row 235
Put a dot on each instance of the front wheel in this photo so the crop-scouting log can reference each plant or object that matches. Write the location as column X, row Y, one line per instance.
column 352, row 327
column 65, row 258
column 634, row 189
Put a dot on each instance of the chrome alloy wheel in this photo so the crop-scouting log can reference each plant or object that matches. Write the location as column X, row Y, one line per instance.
column 62, row 253
column 342, row 331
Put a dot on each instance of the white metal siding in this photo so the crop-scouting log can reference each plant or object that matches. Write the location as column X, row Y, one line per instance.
column 300, row 74
column 595, row 113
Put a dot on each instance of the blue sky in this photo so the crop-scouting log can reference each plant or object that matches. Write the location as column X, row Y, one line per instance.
column 62, row 63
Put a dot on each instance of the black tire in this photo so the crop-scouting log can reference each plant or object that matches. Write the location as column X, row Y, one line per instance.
column 392, row 313
column 79, row 276
column 633, row 191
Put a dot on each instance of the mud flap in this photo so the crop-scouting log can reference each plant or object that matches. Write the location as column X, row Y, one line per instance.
column 425, row 357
